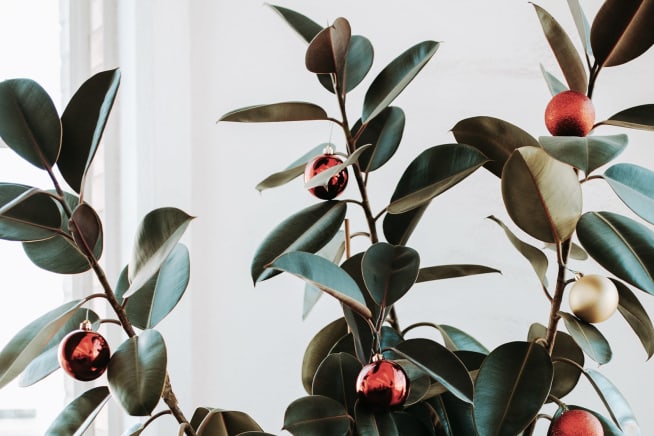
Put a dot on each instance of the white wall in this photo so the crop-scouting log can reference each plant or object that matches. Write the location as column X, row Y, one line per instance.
column 184, row 64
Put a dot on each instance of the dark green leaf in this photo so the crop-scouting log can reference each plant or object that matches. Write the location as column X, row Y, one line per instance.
column 541, row 194
column 326, row 276
column 399, row 227
column 455, row 416
column 564, row 50
column 582, row 25
column 156, row 237
column 218, row 422
column 622, row 31
column 26, row 213
column 294, row 170
column 636, row 315
column 440, row 364
column 374, row 424
column 512, row 385
column 384, row 132
column 585, row 153
column 392, row 80
column 419, row 381
column 85, row 227
column 456, row 340
column 610, row 429
column 137, row 372
column 360, row 341
column 637, row 117
column 304, row 26
column 495, row 138
column 635, row 187
column 614, row 401
column 357, row 65
column 79, row 414
column 318, row 349
column 553, row 84
column 29, row 122
column 327, row 51
column 433, row 172
column 83, row 123
column 307, row 230
column 417, row 420
column 389, row 271
column 333, row 251
column 316, row 415
column 621, row 245
column 32, row 339
column 588, row 337
column 336, row 378
column 441, row 272
column 275, row 112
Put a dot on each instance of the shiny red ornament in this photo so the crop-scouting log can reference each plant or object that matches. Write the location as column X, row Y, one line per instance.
column 570, row 113
column 335, row 185
column 84, row 354
column 576, row 422
column 382, row 385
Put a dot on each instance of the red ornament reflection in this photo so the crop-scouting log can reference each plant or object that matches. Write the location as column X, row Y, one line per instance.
column 336, row 183
column 382, row 385
column 84, row 355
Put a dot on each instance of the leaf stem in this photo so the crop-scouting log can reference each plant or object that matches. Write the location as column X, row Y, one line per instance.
column 563, row 250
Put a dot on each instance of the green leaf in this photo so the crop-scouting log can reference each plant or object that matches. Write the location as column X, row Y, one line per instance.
column 512, row 385
column 85, row 227
column 456, row 340
column 392, row 80
column 26, row 213
column 441, row 272
column 495, row 138
column 323, row 178
column 615, row 403
column 621, row 245
column 553, row 84
column 634, row 185
column 294, row 170
column 384, row 132
column 83, row 123
column 137, row 372
column 433, row 172
column 357, row 65
column 156, row 237
column 374, row 424
column 318, row 349
column 316, row 415
column 455, row 416
column 536, row 257
column 588, row 337
column 440, row 364
column 327, row 51
column 32, row 339
column 46, row 362
column 304, row 26
column 218, row 422
column 610, row 429
column 80, row 413
column 621, row 31
column 389, row 271
column 326, row 276
column 307, row 230
column 419, row 381
column 637, row 117
column 564, row 50
column 276, row 112
column 29, row 122
column 336, row 378
column 333, row 252
column 582, row 25
column 541, row 194
column 636, row 316
column 586, row 153
column 399, row 227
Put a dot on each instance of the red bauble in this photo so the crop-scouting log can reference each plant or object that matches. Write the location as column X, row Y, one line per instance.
column 570, row 113
column 84, row 354
column 335, row 185
column 576, row 423
column 382, row 385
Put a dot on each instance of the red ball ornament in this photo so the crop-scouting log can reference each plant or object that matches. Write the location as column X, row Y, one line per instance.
column 570, row 113
column 84, row 354
column 382, row 384
column 335, row 185
column 576, row 422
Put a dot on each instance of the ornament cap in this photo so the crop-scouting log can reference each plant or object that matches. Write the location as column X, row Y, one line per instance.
column 86, row 325
column 329, row 149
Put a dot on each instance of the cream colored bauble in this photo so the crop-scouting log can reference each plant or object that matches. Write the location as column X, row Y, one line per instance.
column 593, row 298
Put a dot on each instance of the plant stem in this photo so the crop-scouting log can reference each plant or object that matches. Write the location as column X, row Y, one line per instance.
column 563, row 252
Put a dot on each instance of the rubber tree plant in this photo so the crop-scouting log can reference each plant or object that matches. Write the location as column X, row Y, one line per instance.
column 363, row 373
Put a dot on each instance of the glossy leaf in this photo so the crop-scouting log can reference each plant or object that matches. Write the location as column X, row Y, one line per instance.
column 316, row 415
column 384, row 132
column 304, row 26
column 83, row 123
column 636, row 316
column 374, row 424
column 536, row 257
column 637, row 117
column 326, row 276
column 392, row 80
column 156, row 237
column 276, row 112
column 218, row 422
column 456, row 340
column 564, row 50
column 31, row 340
column 585, row 153
column 389, row 271
column 29, row 122
column 610, row 429
column 323, row 178
column 327, row 51
column 615, row 403
column 150, row 304
column 588, row 337
column 622, row 31
column 318, row 349
column 137, row 372
column 541, row 194
column 399, row 227
column 621, row 245
column 307, row 230
column 433, row 172
column 512, row 385
column 333, row 251
column 582, row 25
column 419, row 382
column 357, row 65
column 495, row 138
column 336, row 378
column 634, row 185
column 441, row 272
column 294, row 170
column 454, row 415
column 80, row 413
column 553, row 84
column 85, row 226
column 26, row 213
column 440, row 364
